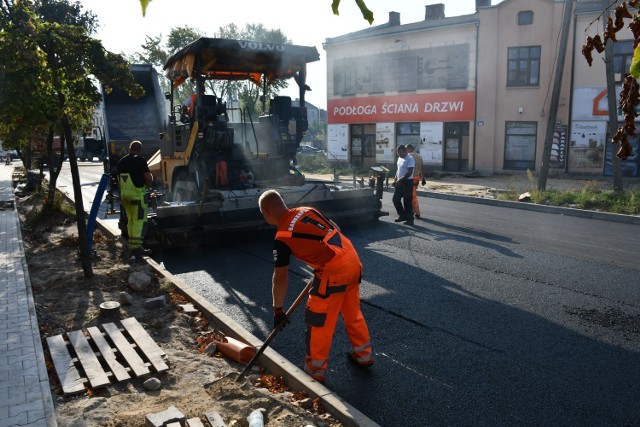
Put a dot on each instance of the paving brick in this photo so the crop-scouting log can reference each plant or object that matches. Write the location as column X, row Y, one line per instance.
column 34, row 395
column 37, row 417
column 4, row 412
column 160, row 419
column 18, row 420
column 194, row 422
column 215, row 419
column 15, row 410
column 17, row 398
column 156, row 302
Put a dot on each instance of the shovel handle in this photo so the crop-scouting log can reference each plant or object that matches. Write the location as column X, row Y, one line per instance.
column 275, row 331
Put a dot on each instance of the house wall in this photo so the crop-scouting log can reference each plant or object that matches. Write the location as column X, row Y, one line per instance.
column 497, row 102
column 373, row 82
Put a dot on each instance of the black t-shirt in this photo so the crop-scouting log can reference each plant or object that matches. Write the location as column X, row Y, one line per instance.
column 135, row 166
column 281, row 253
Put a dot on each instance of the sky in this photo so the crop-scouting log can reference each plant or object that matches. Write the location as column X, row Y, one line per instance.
column 123, row 29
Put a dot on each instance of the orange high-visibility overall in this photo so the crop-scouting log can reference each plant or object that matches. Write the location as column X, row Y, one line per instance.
column 414, row 195
column 335, row 288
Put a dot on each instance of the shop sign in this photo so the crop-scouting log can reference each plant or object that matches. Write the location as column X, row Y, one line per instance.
column 444, row 106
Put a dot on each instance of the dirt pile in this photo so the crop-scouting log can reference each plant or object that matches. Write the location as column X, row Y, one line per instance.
column 195, row 383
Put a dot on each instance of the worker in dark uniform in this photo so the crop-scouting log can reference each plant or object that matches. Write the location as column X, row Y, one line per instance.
column 134, row 178
column 309, row 236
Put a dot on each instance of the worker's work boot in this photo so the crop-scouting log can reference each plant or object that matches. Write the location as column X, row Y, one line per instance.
column 139, row 253
column 354, row 361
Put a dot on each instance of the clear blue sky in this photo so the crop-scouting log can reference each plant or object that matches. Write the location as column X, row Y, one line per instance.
column 306, row 22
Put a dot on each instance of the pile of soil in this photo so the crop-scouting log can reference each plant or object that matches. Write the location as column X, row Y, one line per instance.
column 196, row 383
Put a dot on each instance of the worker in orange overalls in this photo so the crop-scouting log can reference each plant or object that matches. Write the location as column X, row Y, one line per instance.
column 189, row 105
column 309, row 236
column 418, row 175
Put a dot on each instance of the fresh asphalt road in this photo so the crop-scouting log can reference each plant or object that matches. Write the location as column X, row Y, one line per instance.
column 479, row 315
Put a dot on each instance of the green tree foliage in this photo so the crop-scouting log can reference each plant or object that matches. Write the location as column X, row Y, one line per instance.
column 335, row 6
column 49, row 64
column 23, row 97
column 155, row 52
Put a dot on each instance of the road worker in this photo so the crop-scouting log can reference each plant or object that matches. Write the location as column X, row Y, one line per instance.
column 403, row 186
column 134, row 178
column 418, row 176
column 335, row 290
column 188, row 107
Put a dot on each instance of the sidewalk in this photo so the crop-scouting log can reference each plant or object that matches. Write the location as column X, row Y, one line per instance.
column 484, row 190
column 25, row 395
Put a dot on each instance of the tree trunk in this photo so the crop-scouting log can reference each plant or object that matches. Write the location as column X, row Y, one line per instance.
column 53, row 177
column 85, row 255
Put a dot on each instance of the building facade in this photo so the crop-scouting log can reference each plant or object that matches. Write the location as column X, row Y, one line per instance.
column 471, row 92
column 590, row 148
column 397, row 84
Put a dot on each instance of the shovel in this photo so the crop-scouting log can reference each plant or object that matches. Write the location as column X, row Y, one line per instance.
column 275, row 331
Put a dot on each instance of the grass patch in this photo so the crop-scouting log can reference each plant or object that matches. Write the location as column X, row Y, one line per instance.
column 319, row 164
column 589, row 197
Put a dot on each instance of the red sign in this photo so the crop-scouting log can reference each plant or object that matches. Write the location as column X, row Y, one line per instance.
column 428, row 107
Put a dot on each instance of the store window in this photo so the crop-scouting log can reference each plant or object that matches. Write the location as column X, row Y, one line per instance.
column 363, row 145
column 523, row 66
column 520, row 145
column 456, row 146
column 408, row 133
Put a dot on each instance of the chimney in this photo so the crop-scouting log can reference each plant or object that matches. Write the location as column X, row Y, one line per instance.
column 434, row 11
column 482, row 3
column 394, row 19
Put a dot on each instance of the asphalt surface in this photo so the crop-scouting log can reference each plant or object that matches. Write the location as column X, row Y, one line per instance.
column 481, row 314
column 471, row 324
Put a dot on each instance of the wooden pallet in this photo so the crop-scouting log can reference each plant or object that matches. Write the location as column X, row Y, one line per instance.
column 105, row 354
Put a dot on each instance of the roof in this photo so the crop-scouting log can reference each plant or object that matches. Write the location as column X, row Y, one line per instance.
column 225, row 59
column 388, row 28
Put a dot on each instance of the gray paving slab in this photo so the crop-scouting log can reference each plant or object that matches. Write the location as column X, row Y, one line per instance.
column 25, row 392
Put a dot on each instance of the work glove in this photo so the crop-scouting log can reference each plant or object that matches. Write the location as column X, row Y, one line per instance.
column 280, row 318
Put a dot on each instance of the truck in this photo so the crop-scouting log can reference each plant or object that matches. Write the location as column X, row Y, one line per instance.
column 90, row 147
column 121, row 118
column 216, row 160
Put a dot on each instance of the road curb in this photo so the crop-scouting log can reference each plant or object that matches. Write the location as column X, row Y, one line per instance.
column 277, row 365
column 270, row 359
column 579, row 213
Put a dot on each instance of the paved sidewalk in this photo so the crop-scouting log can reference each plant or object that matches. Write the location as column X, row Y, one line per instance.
column 25, row 396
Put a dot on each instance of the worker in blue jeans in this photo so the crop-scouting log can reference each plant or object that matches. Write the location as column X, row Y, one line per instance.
column 403, row 186
column 134, row 178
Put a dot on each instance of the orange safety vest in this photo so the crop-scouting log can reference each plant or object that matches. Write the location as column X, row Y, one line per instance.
column 313, row 239
column 192, row 107
column 222, row 178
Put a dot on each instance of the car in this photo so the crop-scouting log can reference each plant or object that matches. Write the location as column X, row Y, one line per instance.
column 308, row 150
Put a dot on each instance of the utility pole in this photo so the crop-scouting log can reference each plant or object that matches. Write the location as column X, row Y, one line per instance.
column 555, row 96
column 613, row 115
